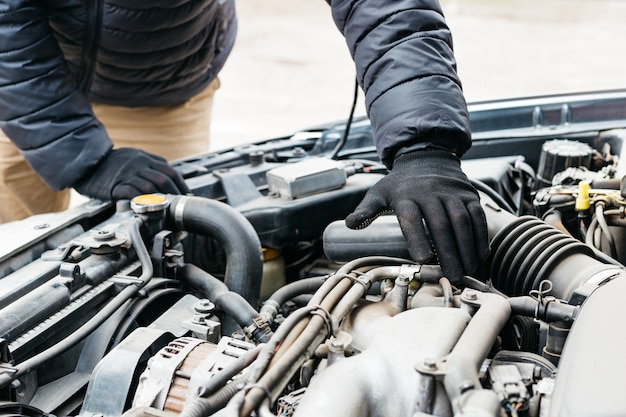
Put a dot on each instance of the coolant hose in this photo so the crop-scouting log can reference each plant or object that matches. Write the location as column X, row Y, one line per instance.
column 244, row 258
column 225, row 300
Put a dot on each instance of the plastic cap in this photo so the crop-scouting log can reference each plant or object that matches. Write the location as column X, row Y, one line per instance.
column 148, row 203
column 582, row 201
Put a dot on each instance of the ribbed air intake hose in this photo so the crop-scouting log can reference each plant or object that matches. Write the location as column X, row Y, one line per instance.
column 526, row 251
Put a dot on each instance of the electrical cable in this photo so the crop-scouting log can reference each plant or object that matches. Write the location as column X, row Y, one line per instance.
column 497, row 198
column 346, row 132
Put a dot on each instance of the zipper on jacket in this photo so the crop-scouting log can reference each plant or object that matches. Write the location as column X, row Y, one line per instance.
column 93, row 25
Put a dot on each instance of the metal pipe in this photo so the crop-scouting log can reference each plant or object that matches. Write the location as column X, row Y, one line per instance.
column 464, row 362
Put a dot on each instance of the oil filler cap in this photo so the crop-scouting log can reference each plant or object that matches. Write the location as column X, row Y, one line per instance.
column 149, row 203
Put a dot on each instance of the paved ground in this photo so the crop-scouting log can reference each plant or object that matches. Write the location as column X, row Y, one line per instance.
column 290, row 68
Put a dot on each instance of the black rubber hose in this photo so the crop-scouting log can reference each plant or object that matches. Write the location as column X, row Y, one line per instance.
column 303, row 286
column 288, row 292
column 556, row 220
column 546, row 311
column 215, row 290
column 244, row 258
column 497, row 198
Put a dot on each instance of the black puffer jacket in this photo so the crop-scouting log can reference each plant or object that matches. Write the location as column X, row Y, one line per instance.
column 57, row 55
column 405, row 64
column 402, row 50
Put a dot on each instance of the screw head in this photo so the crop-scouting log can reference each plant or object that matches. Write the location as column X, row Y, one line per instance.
column 204, row 307
column 102, row 235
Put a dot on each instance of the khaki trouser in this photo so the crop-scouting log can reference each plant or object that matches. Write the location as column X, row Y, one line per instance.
column 173, row 131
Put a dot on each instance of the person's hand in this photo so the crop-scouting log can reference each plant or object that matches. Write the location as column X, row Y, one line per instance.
column 430, row 185
column 127, row 172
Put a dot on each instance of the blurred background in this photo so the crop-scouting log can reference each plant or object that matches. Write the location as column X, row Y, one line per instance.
column 290, row 68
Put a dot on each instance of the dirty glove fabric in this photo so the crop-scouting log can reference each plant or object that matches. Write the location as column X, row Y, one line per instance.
column 429, row 185
column 127, row 172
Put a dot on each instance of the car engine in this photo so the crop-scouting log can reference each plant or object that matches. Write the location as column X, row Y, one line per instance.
column 250, row 297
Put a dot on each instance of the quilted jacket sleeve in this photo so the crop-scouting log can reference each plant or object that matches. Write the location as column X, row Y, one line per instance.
column 405, row 64
column 41, row 108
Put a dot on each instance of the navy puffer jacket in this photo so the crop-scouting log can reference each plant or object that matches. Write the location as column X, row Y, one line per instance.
column 54, row 60
column 163, row 51
column 405, row 65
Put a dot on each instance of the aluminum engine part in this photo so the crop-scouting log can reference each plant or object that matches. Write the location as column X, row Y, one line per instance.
column 367, row 384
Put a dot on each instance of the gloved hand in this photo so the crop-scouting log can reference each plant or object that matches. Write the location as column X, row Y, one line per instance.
column 127, row 172
column 429, row 185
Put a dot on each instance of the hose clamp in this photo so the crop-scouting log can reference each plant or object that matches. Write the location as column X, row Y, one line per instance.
column 178, row 213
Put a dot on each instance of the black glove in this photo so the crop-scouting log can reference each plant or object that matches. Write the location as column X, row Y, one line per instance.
column 127, row 172
column 430, row 185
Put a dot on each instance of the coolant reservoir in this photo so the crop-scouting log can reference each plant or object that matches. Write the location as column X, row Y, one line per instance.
column 273, row 272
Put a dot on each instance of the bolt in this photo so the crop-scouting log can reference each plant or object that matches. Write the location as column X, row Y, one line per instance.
column 430, row 364
column 102, row 235
column 336, row 346
column 203, row 307
column 470, row 295
column 298, row 151
column 256, row 158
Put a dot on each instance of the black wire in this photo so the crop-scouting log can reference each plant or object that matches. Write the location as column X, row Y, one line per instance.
column 346, row 132
column 497, row 198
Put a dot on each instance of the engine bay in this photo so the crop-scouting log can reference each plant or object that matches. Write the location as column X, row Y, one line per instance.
column 250, row 297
